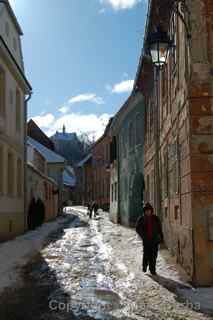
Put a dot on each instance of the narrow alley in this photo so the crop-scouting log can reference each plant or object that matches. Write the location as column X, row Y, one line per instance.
column 92, row 270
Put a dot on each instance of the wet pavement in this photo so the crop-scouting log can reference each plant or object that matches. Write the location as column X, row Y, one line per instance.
column 92, row 270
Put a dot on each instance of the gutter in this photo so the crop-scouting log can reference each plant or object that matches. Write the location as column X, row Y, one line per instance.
column 16, row 64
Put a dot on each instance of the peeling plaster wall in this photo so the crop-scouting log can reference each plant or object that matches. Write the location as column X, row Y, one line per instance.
column 131, row 167
column 201, row 138
column 186, row 120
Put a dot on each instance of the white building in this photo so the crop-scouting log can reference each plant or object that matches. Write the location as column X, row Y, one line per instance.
column 14, row 92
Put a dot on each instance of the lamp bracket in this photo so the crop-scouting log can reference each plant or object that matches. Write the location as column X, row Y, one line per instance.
column 181, row 4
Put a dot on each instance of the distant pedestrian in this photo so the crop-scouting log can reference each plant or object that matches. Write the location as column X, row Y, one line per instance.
column 31, row 219
column 95, row 208
column 149, row 228
column 90, row 209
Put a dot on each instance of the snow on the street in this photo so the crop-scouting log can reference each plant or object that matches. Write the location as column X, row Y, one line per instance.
column 16, row 253
column 93, row 271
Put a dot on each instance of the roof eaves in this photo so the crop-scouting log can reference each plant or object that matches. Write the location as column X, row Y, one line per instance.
column 12, row 14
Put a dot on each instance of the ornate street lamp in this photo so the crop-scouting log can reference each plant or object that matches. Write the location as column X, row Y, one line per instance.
column 159, row 45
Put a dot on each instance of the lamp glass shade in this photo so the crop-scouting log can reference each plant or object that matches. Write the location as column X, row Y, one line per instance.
column 159, row 52
column 159, row 45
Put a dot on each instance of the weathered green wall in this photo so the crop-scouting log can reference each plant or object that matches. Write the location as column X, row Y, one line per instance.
column 130, row 165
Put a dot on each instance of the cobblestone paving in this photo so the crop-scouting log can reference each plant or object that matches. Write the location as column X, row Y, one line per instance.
column 92, row 270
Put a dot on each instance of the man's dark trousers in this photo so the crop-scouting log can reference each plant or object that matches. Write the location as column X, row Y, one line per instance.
column 150, row 253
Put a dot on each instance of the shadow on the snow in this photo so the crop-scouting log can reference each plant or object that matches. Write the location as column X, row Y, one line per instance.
column 169, row 284
column 175, row 287
column 32, row 301
column 40, row 296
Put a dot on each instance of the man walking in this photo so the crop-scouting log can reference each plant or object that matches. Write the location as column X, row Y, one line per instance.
column 149, row 229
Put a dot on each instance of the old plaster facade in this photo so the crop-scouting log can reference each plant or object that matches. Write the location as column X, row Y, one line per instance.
column 13, row 89
column 127, row 183
column 185, row 119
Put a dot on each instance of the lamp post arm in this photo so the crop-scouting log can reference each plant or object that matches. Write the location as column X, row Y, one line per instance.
column 184, row 8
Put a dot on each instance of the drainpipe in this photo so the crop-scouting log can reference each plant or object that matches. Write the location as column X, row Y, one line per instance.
column 25, row 160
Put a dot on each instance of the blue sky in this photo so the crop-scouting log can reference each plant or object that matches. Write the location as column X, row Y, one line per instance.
column 81, row 58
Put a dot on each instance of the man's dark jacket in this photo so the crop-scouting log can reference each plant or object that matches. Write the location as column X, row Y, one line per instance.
column 157, row 234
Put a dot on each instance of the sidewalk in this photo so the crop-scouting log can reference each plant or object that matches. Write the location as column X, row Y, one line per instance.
column 15, row 254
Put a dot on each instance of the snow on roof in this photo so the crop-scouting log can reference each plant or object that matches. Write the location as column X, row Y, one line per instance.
column 49, row 155
column 83, row 161
column 68, row 178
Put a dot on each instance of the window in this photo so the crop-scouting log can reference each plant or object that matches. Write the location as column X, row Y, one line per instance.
column 10, row 174
column 176, row 212
column 2, row 92
column 113, row 150
column 1, row 169
column 18, row 111
column 19, row 178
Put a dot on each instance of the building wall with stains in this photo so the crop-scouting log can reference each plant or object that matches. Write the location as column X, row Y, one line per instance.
column 101, row 170
column 201, row 138
column 130, row 162
column 185, row 117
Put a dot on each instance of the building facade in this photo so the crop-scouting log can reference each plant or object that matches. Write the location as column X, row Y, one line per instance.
column 37, row 134
column 68, row 146
column 14, row 89
column 55, row 167
column 84, row 181
column 101, row 169
column 183, row 146
column 127, row 183
column 39, row 185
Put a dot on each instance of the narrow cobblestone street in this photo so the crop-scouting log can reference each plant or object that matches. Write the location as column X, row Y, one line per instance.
column 92, row 270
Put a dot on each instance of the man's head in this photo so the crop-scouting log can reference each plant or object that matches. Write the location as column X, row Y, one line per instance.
column 148, row 209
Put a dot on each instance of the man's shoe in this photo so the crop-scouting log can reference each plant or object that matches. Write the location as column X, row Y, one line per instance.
column 144, row 269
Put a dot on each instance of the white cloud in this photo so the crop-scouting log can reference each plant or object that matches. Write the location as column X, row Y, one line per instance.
column 91, row 124
column 125, row 75
column 48, row 102
column 102, row 11
column 123, row 86
column 87, row 97
column 121, row 4
column 63, row 109
column 44, row 121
